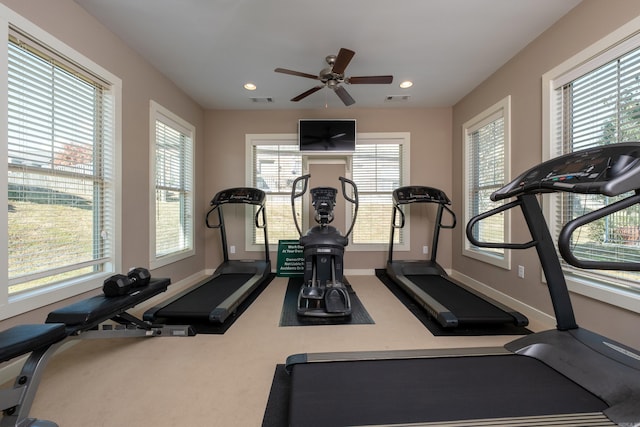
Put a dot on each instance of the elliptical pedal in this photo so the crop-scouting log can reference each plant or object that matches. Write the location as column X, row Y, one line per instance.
column 337, row 301
column 312, row 292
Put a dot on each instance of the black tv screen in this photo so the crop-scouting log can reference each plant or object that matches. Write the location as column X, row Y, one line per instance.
column 327, row 136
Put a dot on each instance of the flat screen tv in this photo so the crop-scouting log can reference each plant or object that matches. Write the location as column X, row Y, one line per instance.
column 327, row 136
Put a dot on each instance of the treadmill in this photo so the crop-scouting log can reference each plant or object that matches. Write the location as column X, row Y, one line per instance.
column 448, row 301
column 216, row 298
column 564, row 376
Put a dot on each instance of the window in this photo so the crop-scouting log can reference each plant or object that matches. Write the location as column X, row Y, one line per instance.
column 275, row 163
column 172, row 170
column 379, row 165
column 486, row 169
column 61, row 183
column 589, row 104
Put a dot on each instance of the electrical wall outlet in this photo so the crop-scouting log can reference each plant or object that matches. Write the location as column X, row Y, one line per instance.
column 521, row 271
column 425, row 249
column 232, row 249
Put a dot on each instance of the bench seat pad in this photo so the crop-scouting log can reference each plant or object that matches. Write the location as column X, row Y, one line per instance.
column 22, row 339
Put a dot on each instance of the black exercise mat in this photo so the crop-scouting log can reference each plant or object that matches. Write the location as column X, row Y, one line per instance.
column 277, row 411
column 289, row 316
column 221, row 328
column 435, row 328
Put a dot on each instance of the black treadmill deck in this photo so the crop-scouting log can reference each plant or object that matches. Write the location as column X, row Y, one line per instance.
column 432, row 390
column 467, row 307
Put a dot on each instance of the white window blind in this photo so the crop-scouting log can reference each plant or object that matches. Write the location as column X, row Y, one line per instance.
column 379, row 165
column 597, row 108
column 275, row 167
column 60, row 176
column 486, row 171
column 377, row 171
column 173, row 185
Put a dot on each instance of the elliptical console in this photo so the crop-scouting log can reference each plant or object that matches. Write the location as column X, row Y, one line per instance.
column 323, row 293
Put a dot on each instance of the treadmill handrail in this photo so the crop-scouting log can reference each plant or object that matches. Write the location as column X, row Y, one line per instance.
column 564, row 239
column 257, row 218
column 473, row 221
column 453, row 216
column 219, row 224
column 441, row 225
column 396, row 208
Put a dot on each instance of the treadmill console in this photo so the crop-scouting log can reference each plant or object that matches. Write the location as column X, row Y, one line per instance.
column 419, row 194
column 610, row 170
column 248, row 195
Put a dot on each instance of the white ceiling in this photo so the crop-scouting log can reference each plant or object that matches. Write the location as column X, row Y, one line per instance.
column 210, row 48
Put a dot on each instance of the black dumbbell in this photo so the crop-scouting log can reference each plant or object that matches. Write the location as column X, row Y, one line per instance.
column 119, row 284
column 139, row 277
column 116, row 285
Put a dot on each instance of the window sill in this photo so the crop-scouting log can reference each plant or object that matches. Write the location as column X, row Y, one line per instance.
column 502, row 262
column 170, row 259
column 599, row 291
column 37, row 298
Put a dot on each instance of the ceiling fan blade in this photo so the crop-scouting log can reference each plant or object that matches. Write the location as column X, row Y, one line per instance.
column 369, row 80
column 307, row 93
column 295, row 73
column 344, row 96
column 342, row 60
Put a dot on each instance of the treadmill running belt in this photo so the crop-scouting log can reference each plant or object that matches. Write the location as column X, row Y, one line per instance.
column 202, row 300
column 374, row 392
column 466, row 306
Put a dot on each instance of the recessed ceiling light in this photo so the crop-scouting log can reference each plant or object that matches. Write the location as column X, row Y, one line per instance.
column 406, row 84
column 250, row 86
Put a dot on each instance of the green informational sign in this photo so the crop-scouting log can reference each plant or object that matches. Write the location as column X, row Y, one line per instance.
column 290, row 259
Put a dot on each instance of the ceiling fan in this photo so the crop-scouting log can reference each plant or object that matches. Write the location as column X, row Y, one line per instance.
column 333, row 76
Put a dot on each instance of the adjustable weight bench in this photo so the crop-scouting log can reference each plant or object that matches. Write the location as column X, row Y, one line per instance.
column 82, row 320
column 85, row 318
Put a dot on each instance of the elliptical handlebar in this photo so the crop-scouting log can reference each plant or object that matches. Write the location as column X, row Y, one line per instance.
column 305, row 180
column 354, row 200
column 295, row 195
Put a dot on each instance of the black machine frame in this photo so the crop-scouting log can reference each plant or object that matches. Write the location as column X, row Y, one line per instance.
column 570, row 356
column 450, row 302
column 235, row 279
column 324, row 292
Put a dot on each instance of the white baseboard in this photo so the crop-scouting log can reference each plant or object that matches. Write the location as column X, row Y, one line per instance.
column 532, row 313
column 360, row 272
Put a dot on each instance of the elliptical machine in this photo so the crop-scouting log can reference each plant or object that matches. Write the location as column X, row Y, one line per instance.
column 323, row 293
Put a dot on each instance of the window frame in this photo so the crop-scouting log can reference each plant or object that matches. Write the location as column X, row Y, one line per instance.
column 501, row 109
column 159, row 113
column 32, row 299
column 252, row 140
column 403, row 138
column 393, row 138
column 603, row 51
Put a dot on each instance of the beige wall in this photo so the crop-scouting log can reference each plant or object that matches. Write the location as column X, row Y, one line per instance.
column 430, row 159
column 141, row 83
column 521, row 78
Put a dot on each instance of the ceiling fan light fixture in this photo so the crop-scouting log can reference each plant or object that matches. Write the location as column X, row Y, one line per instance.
column 406, row 84
column 250, row 86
